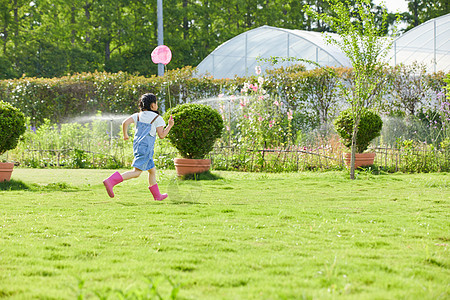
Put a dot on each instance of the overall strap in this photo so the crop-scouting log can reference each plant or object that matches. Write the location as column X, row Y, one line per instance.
column 138, row 116
column 154, row 119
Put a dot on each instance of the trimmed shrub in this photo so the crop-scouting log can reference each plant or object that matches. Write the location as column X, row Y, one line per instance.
column 196, row 129
column 12, row 126
column 369, row 128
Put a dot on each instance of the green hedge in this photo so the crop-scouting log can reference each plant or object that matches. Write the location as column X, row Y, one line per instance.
column 59, row 99
column 312, row 92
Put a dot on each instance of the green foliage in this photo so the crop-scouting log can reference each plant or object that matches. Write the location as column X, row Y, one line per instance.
column 60, row 37
column 12, row 126
column 6, row 69
column 418, row 157
column 369, row 128
column 59, row 99
column 420, row 11
column 196, row 129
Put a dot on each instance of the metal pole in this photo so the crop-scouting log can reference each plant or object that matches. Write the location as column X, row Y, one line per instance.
column 435, row 59
column 245, row 63
column 395, row 54
column 160, row 32
column 287, row 40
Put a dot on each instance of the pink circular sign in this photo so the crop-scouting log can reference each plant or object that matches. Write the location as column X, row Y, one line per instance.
column 161, row 55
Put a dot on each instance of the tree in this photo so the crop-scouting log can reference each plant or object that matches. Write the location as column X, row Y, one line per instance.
column 46, row 38
column 420, row 11
column 360, row 42
column 409, row 86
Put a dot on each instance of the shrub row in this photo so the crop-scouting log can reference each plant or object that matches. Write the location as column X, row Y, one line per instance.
column 311, row 94
column 59, row 99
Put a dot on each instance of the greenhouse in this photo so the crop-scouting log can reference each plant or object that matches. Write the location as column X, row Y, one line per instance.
column 427, row 44
column 239, row 56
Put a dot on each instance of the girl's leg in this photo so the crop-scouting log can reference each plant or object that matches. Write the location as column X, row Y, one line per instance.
column 152, row 176
column 131, row 174
column 153, row 186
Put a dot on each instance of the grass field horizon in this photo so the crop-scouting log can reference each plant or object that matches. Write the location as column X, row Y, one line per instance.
column 306, row 235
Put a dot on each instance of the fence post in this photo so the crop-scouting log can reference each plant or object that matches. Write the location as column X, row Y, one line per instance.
column 263, row 155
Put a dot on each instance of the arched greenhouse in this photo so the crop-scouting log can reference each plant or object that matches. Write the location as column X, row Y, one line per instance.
column 239, row 56
column 427, row 44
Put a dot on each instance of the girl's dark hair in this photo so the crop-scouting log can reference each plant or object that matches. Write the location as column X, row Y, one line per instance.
column 146, row 100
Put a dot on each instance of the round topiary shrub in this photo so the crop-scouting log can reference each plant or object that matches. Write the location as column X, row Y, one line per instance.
column 369, row 128
column 12, row 126
column 196, row 129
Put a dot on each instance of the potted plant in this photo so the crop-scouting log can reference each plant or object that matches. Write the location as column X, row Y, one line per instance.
column 12, row 126
column 369, row 128
column 196, row 129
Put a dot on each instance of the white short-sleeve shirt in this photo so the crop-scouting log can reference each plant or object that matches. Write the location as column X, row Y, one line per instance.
column 147, row 117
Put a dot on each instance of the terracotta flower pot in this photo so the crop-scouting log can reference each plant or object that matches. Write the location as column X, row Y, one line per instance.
column 361, row 159
column 5, row 171
column 185, row 166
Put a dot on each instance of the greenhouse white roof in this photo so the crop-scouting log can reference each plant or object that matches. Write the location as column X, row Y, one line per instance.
column 239, row 55
column 428, row 44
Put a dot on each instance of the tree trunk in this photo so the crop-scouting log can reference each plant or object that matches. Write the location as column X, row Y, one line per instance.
column 16, row 24
column 72, row 21
column 107, row 50
column 354, row 136
column 5, row 38
column 185, row 21
column 87, row 13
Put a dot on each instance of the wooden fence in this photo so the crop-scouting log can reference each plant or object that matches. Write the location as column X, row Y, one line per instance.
column 289, row 159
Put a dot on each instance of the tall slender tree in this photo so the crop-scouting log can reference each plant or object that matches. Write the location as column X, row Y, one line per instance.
column 359, row 40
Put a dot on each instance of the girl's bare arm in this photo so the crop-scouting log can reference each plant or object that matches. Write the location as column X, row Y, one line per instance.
column 125, row 125
column 162, row 132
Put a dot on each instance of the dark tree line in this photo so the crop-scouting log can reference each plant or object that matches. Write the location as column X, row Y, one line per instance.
column 50, row 38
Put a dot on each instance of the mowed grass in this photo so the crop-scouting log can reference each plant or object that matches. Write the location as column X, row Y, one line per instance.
column 313, row 235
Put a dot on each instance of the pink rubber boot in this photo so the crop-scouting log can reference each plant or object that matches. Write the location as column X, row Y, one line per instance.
column 111, row 181
column 156, row 194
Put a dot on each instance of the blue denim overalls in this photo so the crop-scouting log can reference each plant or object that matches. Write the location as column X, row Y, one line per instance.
column 143, row 144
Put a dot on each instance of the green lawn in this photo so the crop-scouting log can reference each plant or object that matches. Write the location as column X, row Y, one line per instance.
column 313, row 235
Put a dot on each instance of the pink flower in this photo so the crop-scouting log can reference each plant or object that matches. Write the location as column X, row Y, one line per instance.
column 245, row 116
column 276, row 103
column 270, row 125
column 242, row 103
column 227, row 127
column 289, row 114
column 258, row 70
column 260, row 119
column 253, row 87
column 220, row 95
